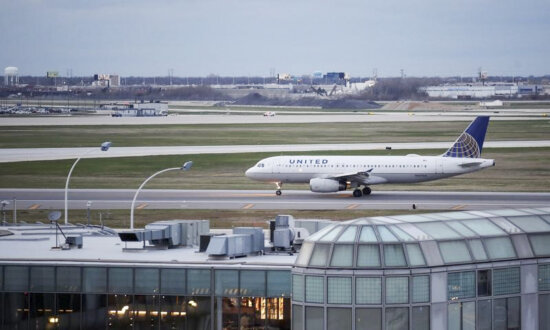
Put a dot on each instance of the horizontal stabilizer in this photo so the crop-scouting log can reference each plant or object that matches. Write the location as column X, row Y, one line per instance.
column 470, row 164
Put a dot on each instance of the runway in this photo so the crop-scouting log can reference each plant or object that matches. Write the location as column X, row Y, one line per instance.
column 35, row 154
column 104, row 199
column 196, row 119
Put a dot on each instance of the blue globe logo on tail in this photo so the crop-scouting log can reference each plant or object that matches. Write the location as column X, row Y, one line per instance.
column 470, row 143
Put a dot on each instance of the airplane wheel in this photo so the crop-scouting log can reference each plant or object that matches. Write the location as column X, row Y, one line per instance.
column 357, row 193
column 278, row 193
column 366, row 191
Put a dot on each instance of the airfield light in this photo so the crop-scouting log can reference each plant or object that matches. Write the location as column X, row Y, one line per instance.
column 185, row 167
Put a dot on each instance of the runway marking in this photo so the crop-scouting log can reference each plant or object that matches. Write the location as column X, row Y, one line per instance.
column 352, row 206
column 141, row 206
column 458, row 207
column 34, row 206
column 248, row 206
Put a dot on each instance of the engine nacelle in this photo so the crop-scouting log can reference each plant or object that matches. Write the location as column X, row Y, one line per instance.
column 326, row 185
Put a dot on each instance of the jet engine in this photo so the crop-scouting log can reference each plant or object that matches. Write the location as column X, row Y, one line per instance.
column 326, row 185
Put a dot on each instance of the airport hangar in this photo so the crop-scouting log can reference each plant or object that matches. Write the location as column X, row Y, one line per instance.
column 454, row 270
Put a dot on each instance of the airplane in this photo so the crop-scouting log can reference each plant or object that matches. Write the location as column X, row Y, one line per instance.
column 327, row 174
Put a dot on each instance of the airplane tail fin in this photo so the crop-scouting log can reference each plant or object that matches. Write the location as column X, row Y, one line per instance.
column 470, row 143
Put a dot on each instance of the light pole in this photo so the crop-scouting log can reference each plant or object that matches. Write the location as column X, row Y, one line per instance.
column 184, row 167
column 104, row 147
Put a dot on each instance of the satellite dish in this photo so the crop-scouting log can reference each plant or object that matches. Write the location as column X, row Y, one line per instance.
column 54, row 215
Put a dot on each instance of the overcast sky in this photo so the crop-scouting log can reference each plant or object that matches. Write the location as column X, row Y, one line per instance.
column 251, row 37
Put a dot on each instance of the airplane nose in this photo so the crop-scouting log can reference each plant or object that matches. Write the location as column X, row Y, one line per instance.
column 248, row 172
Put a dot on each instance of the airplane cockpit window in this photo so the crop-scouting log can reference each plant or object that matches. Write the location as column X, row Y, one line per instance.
column 260, row 164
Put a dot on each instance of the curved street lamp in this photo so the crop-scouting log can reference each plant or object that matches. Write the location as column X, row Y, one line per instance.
column 184, row 167
column 104, row 147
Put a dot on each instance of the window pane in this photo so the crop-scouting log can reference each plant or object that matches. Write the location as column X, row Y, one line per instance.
column 339, row 290
column 484, row 319
column 348, row 235
column 172, row 281
column 397, row 290
column 469, row 315
column 297, row 318
column 252, row 283
column 421, row 318
column 421, row 289
column 540, row 244
column 331, row 234
column 121, row 280
column 305, row 253
column 147, row 280
column 16, row 278
column 367, row 235
column 368, row 290
column 484, row 283
column 530, row 224
column 95, row 280
column 368, row 256
column 315, row 289
column 42, row 279
column 227, row 283
column 484, row 227
column 416, row 258
column 401, row 234
column 339, row 318
column 386, row 235
column 506, row 281
column 499, row 247
column 455, row 251
column 320, row 255
column 68, row 279
column 478, row 250
column 544, row 277
column 453, row 317
column 198, row 281
column 461, row 285
column 544, row 312
column 314, row 318
column 393, row 255
column 342, row 256
column 438, row 230
column 506, row 313
column 397, row 318
column 297, row 288
column 461, row 229
column 278, row 283
column 368, row 319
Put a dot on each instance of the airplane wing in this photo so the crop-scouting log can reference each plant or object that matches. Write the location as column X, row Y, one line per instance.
column 363, row 177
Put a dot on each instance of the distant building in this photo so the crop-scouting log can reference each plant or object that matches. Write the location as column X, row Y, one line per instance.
column 106, row 80
column 140, row 109
column 475, row 91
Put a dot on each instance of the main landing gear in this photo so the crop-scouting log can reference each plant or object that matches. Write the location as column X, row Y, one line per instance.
column 358, row 192
column 279, row 186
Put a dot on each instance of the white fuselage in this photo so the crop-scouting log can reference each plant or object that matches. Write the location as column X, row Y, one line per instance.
column 383, row 169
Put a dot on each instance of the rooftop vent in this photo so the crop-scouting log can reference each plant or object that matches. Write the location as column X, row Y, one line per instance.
column 168, row 234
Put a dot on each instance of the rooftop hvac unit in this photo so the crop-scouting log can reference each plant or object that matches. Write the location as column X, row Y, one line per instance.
column 169, row 233
column 234, row 245
column 258, row 238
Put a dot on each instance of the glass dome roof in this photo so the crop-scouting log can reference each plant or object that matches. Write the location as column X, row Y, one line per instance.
column 432, row 239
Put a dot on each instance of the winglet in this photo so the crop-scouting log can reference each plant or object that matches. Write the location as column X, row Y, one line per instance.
column 470, row 143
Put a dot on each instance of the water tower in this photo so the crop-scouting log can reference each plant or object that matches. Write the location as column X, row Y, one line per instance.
column 11, row 75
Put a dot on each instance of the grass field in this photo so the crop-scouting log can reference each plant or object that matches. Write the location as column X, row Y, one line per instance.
column 517, row 169
column 175, row 135
column 225, row 219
